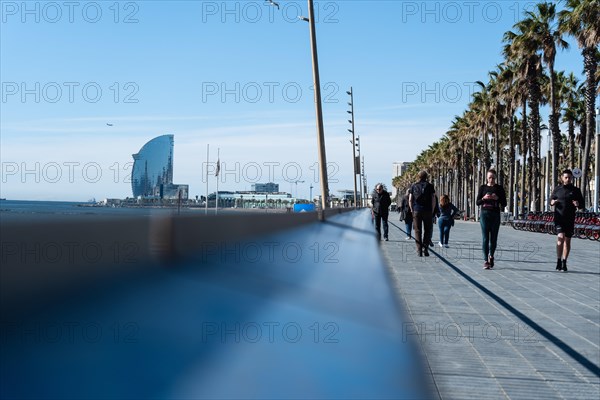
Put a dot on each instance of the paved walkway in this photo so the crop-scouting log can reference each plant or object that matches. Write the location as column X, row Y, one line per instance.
column 519, row 331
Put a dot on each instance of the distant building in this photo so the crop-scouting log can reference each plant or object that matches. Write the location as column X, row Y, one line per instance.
column 265, row 187
column 399, row 168
column 152, row 173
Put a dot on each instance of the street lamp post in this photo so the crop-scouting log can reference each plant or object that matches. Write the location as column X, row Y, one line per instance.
column 297, row 182
column 319, row 110
column 351, row 112
column 318, row 106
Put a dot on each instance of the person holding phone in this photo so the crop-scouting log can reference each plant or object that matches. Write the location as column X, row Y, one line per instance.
column 492, row 199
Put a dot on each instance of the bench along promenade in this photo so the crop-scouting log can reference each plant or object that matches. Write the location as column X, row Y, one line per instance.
column 520, row 331
column 286, row 306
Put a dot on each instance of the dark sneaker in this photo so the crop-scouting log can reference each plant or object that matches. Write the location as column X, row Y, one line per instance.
column 426, row 252
column 491, row 262
column 486, row 265
column 559, row 265
column 385, row 238
column 564, row 265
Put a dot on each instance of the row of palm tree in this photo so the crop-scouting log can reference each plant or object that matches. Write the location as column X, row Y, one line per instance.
column 502, row 125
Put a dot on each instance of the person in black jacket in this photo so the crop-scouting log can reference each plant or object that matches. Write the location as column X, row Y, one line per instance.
column 406, row 215
column 492, row 199
column 381, row 202
column 422, row 206
column 565, row 199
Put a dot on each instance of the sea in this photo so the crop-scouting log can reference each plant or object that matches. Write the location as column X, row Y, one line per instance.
column 23, row 210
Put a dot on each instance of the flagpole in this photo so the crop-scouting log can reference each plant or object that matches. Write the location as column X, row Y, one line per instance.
column 217, row 176
column 206, row 204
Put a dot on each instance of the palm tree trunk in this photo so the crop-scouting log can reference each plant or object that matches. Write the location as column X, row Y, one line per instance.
column 443, row 178
column 571, row 143
column 511, row 161
column 515, row 206
column 590, row 65
column 583, row 136
column 524, row 149
column 535, row 144
column 465, row 180
column 475, row 179
column 531, row 197
column 554, row 127
column 498, row 155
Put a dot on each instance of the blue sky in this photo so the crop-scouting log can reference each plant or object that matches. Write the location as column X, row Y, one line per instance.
column 236, row 75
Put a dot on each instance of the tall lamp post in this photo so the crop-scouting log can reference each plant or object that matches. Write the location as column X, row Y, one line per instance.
column 597, row 149
column 351, row 112
column 319, row 110
column 318, row 106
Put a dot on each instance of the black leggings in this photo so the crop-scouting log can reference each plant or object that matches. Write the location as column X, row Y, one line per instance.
column 490, row 224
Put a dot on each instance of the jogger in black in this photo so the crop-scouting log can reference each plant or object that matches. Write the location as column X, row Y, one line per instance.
column 565, row 199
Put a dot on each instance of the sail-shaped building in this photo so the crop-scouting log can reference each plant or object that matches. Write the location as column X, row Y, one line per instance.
column 152, row 173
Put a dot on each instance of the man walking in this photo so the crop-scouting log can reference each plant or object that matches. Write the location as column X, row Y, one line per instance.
column 381, row 202
column 422, row 205
column 566, row 199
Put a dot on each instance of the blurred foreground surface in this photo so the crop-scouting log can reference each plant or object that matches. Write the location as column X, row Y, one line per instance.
column 226, row 307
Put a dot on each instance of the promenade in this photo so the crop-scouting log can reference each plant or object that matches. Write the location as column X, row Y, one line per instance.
column 519, row 331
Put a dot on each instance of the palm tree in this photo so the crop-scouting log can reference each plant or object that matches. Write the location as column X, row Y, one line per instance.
column 511, row 94
column 520, row 66
column 580, row 20
column 568, row 85
column 522, row 48
column 482, row 118
column 544, row 31
column 498, row 117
